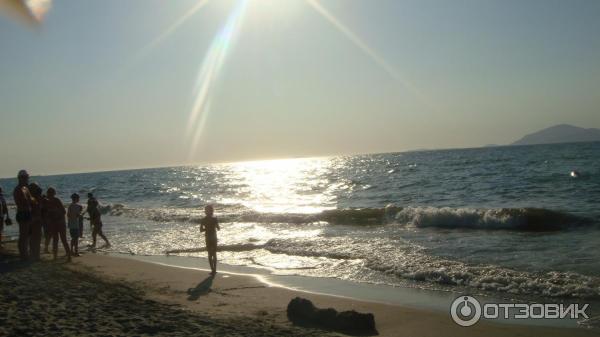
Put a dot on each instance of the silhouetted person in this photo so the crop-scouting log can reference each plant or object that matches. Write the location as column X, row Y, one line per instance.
column 4, row 216
column 45, row 228
column 210, row 225
column 95, row 219
column 22, row 198
column 55, row 212
column 80, row 221
column 73, row 216
column 37, row 203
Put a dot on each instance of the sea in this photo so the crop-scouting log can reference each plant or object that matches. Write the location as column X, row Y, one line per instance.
column 510, row 221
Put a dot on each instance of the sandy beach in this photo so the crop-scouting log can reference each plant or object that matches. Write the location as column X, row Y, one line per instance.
column 103, row 295
column 300, row 168
column 56, row 299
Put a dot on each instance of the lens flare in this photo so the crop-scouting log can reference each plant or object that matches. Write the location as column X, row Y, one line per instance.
column 209, row 72
column 213, row 62
column 358, row 42
column 171, row 28
column 30, row 12
column 39, row 8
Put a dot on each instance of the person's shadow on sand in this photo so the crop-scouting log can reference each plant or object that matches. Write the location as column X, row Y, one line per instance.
column 201, row 289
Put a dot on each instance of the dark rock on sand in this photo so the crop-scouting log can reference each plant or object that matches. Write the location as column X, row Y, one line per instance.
column 302, row 312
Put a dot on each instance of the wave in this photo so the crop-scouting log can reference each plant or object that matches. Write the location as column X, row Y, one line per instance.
column 526, row 219
column 493, row 278
column 410, row 262
column 221, row 248
column 519, row 219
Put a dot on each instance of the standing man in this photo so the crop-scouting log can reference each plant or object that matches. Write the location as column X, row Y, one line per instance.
column 23, row 202
column 4, row 217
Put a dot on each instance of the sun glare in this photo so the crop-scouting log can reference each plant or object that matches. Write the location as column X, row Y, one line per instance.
column 284, row 185
column 209, row 71
column 374, row 55
column 259, row 10
column 172, row 28
column 274, row 8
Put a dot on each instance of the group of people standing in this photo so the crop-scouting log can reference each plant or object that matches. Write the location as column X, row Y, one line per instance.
column 37, row 212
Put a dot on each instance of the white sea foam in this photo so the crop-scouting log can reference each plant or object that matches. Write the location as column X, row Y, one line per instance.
column 411, row 262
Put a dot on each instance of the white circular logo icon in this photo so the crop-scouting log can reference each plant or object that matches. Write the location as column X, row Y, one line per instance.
column 465, row 311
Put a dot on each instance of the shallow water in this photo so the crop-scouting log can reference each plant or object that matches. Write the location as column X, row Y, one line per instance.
column 448, row 219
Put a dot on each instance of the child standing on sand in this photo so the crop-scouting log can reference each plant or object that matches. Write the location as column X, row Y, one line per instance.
column 210, row 225
column 74, row 214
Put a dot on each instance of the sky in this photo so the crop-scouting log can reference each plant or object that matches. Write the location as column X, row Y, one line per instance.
column 114, row 84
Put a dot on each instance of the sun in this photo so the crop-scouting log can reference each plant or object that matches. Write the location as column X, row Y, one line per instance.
column 261, row 14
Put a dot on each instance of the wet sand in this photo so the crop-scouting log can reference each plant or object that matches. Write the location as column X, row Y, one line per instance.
column 110, row 296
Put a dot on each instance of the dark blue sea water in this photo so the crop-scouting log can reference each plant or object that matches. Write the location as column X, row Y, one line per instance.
column 506, row 220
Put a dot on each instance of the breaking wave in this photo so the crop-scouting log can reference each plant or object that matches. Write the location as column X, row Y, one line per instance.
column 520, row 219
column 527, row 219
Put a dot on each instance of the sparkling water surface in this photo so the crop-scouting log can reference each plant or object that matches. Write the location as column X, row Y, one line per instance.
column 445, row 219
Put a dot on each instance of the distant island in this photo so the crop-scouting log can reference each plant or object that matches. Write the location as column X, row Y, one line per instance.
column 562, row 133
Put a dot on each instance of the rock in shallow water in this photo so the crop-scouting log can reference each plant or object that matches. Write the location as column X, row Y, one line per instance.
column 302, row 312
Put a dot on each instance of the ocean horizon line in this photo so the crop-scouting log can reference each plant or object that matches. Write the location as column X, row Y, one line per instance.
column 286, row 158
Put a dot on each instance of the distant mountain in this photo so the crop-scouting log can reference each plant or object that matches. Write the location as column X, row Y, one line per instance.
column 562, row 133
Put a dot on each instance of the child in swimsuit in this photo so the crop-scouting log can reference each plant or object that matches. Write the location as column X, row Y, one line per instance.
column 210, row 225
column 74, row 214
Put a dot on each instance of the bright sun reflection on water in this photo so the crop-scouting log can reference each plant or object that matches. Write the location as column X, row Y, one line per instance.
column 283, row 186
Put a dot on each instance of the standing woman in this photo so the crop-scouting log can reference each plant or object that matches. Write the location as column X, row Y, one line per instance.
column 55, row 215
column 36, row 220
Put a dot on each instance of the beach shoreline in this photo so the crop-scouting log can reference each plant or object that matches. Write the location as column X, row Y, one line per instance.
column 409, row 296
column 229, row 298
column 252, row 295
